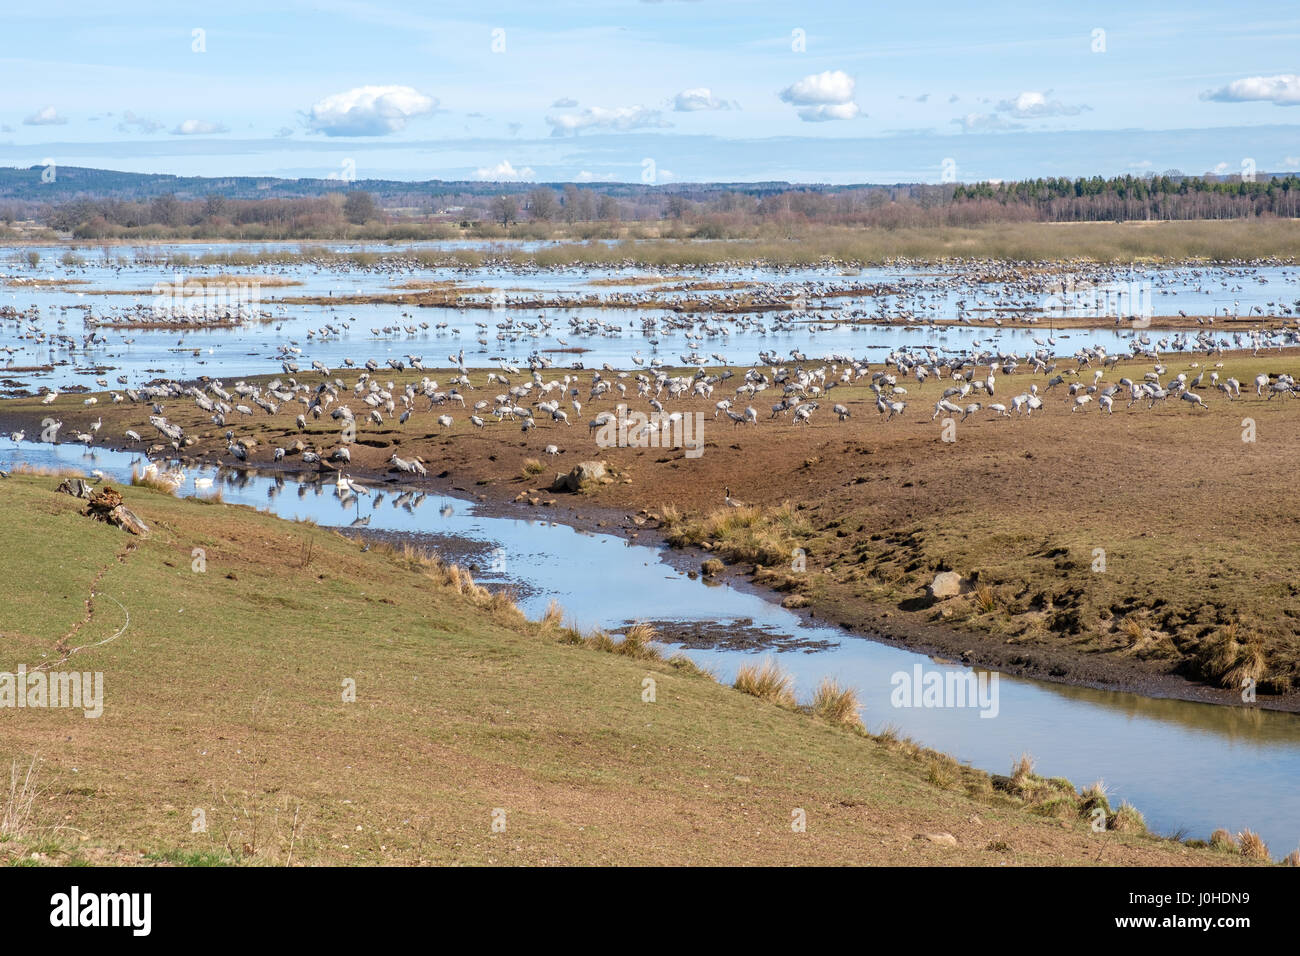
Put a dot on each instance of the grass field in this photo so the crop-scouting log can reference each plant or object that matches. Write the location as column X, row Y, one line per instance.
column 224, row 692
column 663, row 244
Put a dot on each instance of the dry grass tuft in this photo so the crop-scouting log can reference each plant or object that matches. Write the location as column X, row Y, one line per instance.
column 1127, row 819
column 638, row 642
column 836, row 704
column 1232, row 661
column 766, row 681
column 1252, row 845
column 1221, row 839
column 757, row 535
column 16, row 815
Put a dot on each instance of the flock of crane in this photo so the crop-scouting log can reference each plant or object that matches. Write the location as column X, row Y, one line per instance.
column 358, row 396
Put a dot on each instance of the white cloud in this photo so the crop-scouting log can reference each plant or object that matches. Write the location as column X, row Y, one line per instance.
column 1032, row 104
column 587, row 176
column 823, row 96
column 369, row 111
column 1292, row 161
column 599, row 117
column 700, row 98
column 192, row 127
column 833, row 86
column 45, row 117
column 985, row 122
column 829, row 111
column 130, row 123
column 504, row 172
column 1280, row 90
column 564, row 103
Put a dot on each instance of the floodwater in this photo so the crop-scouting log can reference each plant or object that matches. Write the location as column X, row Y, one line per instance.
column 47, row 325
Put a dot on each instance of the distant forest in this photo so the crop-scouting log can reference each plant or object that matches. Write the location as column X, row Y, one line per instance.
column 103, row 204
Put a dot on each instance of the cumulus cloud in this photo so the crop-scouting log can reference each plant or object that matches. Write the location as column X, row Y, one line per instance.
column 504, row 172
column 587, row 176
column 985, row 122
column 1280, row 90
column 192, row 127
column 564, row 103
column 598, row 117
column 45, row 117
column 1032, row 105
column 823, row 96
column 1292, row 161
column 369, row 111
column 130, row 123
column 829, row 111
column 700, row 98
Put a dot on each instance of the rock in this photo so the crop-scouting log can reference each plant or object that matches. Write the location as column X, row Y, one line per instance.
column 947, row 584
column 942, row 839
column 711, row 567
column 582, row 473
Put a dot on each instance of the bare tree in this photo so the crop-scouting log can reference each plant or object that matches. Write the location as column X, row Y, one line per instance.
column 505, row 209
column 542, row 203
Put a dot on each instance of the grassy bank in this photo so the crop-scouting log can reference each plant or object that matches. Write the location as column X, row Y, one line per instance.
column 225, row 676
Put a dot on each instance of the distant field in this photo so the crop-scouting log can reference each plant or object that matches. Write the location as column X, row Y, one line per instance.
column 667, row 245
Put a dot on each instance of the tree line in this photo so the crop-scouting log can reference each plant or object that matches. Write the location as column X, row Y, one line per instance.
column 701, row 210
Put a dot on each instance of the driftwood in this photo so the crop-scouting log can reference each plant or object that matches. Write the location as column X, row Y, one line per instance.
column 106, row 505
column 75, row 487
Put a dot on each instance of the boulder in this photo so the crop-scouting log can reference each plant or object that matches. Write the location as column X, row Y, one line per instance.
column 583, row 473
column 947, row 584
column 942, row 839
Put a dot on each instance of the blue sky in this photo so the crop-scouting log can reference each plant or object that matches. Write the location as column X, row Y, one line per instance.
column 675, row 90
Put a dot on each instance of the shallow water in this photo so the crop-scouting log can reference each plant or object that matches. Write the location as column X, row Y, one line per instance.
column 1184, row 765
column 926, row 292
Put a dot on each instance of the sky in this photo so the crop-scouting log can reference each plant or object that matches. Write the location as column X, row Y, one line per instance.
column 656, row 92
